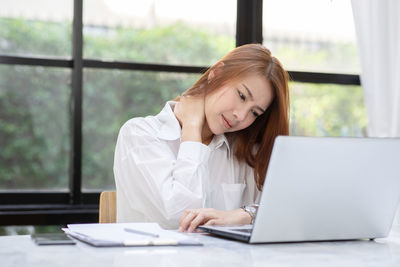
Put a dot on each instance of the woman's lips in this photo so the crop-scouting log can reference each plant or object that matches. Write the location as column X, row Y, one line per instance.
column 226, row 123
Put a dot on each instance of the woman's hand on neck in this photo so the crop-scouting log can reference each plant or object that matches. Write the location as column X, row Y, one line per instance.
column 190, row 113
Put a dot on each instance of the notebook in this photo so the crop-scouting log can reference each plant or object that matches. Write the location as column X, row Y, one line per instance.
column 128, row 234
column 325, row 188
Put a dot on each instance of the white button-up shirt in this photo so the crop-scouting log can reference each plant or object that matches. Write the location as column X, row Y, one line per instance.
column 158, row 177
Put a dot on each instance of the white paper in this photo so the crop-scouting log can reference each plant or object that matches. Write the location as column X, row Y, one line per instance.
column 115, row 233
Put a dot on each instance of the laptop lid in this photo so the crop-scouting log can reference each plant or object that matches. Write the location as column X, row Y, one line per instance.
column 323, row 188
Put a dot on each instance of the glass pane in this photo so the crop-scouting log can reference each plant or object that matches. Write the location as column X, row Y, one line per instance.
column 36, row 28
column 327, row 110
column 111, row 97
column 159, row 31
column 311, row 35
column 34, row 127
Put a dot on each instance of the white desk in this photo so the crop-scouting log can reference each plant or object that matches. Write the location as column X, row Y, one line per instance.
column 20, row 251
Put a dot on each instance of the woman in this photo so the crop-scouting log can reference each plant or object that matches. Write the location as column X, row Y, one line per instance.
column 205, row 154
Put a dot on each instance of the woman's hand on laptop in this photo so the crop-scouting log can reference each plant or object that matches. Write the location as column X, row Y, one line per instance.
column 194, row 217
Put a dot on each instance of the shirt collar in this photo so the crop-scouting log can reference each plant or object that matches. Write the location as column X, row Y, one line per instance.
column 171, row 130
column 218, row 141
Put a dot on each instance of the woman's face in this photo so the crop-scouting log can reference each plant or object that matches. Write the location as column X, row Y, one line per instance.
column 236, row 105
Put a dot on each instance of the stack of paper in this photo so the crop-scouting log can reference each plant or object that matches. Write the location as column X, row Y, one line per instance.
column 128, row 234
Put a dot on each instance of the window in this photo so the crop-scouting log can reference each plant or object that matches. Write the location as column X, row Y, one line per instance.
column 34, row 130
column 58, row 135
column 327, row 110
column 159, row 31
column 312, row 35
column 36, row 28
column 34, row 100
column 307, row 36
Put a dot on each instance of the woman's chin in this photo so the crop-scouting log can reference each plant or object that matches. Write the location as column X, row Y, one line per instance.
column 217, row 131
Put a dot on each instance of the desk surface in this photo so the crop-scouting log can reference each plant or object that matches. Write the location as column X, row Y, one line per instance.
column 21, row 251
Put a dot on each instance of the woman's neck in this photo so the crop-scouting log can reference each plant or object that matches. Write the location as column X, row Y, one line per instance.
column 206, row 134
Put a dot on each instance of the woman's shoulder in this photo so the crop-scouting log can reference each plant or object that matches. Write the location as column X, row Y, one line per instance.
column 141, row 126
column 154, row 125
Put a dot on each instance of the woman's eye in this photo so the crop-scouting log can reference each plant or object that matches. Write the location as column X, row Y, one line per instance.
column 242, row 96
column 255, row 113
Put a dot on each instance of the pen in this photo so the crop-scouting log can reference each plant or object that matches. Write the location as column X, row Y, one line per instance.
column 140, row 232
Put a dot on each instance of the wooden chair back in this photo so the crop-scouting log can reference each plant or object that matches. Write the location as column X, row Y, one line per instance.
column 108, row 207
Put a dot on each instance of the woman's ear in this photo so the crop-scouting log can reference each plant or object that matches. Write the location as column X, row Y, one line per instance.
column 215, row 70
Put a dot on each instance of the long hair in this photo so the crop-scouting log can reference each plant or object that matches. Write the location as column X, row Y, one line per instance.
column 254, row 143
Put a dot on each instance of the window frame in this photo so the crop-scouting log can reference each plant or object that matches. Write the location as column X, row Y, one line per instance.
column 74, row 206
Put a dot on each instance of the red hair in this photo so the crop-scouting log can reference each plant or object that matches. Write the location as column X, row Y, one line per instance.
column 253, row 144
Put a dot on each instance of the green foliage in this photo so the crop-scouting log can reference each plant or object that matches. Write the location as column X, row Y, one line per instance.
column 34, row 133
column 34, row 101
column 327, row 110
column 18, row 36
column 173, row 44
column 327, row 57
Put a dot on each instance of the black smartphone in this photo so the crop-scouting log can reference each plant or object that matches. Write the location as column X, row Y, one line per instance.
column 52, row 239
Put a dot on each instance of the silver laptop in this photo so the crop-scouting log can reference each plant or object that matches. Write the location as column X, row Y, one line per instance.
column 323, row 188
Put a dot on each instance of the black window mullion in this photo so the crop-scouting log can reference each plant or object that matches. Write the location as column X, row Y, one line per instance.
column 35, row 61
column 76, row 107
column 249, row 22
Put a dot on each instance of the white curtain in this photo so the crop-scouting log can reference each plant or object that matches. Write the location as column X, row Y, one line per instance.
column 377, row 24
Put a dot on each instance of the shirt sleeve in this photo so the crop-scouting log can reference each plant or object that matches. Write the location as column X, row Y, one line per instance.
column 155, row 182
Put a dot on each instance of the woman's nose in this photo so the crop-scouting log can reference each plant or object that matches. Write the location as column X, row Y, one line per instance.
column 240, row 115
